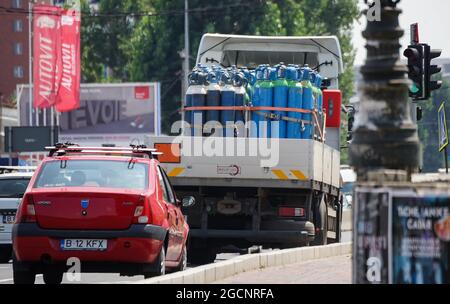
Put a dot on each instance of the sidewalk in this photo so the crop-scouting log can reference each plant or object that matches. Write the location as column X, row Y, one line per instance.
column 333, row 270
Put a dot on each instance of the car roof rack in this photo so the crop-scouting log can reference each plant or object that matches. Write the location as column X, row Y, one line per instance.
column 61, row 149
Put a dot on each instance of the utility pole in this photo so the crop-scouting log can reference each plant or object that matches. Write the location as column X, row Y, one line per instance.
column 186, row 52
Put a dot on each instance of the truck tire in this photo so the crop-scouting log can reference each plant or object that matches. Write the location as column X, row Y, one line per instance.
column 5, row 255
column 321, row 225
column 201, row 256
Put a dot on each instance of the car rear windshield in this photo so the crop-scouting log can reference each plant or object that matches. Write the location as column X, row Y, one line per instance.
column 13, row 187
column 93, row 173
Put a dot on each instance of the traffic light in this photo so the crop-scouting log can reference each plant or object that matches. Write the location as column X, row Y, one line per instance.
column 421, row 70
column 416, row 66
column 430, row 70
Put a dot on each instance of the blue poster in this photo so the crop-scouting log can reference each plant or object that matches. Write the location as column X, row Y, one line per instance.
column 420, row 240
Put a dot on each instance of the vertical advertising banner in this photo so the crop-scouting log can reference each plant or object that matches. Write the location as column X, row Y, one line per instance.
column 420, row 239
column 69, row 90
column 370, row 241
column 47, row 42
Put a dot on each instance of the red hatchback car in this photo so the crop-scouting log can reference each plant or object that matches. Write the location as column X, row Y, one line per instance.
column 112, row 208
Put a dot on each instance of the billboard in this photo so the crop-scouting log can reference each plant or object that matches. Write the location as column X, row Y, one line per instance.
column 109, row 114
column 401, row 236
column 29, row 139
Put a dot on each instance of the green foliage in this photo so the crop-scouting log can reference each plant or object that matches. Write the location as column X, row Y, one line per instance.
column 147, row 48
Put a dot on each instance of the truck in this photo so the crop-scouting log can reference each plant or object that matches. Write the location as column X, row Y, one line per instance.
column 273, row 193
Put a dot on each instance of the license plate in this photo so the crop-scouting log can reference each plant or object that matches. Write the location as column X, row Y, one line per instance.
column 9, row 219
column 83, row 244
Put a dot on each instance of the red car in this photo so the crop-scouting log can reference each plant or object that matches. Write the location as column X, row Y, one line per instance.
column 112, row 208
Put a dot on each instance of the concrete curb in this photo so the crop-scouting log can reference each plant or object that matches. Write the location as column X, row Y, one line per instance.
column 213, row 272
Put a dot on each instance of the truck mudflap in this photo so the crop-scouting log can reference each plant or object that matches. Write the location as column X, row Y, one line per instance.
column 304, row 235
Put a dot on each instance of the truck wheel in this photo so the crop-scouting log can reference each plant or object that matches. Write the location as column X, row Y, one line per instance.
column 160, row 268
column 201, row 256
column 22, row 275
column 321, row 225
column 5, row 255
column 53, row 276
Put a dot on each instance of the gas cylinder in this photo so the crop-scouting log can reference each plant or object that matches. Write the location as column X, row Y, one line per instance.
column 295, row 100
column 266, row 100
column 308, row 101
column 198, row 94
column 212, row 97
column 227, row 100
column 280, row 98
column 239, row 83
column 255, row 117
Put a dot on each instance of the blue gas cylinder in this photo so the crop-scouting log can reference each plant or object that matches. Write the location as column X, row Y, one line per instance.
column 280, row 99
column 308, row 101
column 295, row 101
column 227, row 100
column 212, row 97
column 265, row 99
column 255, row 117
column 198, row 94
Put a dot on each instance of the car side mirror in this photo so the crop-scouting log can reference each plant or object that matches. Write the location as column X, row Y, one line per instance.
column 188, row 201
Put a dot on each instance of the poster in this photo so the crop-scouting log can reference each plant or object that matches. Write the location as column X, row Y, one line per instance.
column 370, row 252
column 420, row 239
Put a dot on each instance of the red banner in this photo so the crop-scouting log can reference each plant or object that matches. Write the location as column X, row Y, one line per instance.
column 69, row 89
column 46, row 41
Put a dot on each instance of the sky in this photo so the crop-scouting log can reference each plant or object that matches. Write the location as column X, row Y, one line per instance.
column 433, row 17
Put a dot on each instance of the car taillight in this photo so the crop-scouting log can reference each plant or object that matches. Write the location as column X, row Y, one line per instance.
column 27, row 213
column 291, row 212
column 141, row 213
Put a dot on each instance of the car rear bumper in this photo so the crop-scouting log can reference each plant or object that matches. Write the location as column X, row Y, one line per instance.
column 139, row 244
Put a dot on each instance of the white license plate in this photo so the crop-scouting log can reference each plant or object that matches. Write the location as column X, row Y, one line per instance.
column 83, row 244
column 9, row 219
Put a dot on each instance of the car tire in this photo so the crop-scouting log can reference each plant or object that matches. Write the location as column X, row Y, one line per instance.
column 5, row 255
column 53, row 276
column 183, row 262
column 322, row 222
column 160, row 268
column 22, row 275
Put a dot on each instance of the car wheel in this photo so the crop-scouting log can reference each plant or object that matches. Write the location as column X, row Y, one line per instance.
column 22, row 275
column 160, row 268
column 183, row 262
column 53, row 277
column 5, row 255
column 321, row 225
